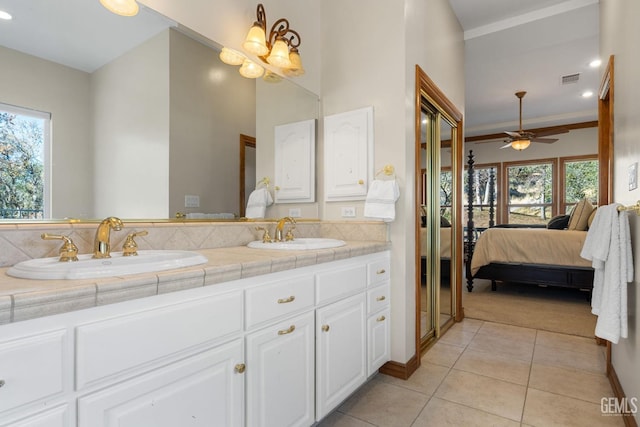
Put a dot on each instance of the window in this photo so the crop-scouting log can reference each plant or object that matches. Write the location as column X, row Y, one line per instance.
column 24, row 153
column 483, row 190
column 580, row 180
column 531, row 193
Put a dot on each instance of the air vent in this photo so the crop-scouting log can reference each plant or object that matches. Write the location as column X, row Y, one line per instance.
column 570, row 78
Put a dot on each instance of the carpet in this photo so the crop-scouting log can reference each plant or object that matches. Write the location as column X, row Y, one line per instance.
column 566, row 311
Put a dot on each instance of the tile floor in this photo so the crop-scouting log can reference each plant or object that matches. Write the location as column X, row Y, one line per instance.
column 490, row 374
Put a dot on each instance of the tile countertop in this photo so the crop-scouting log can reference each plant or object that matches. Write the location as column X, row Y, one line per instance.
column 23, row 299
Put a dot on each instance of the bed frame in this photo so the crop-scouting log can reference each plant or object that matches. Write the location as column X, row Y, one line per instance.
column 536, row 274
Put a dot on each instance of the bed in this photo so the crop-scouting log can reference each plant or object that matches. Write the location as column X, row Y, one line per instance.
column 537, row 256
column 445, row 251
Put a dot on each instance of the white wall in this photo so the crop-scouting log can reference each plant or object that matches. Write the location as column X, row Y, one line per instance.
column 619, row 36
column 575, row 143
column 30, row 82
column 211, row 104
column 131, row 117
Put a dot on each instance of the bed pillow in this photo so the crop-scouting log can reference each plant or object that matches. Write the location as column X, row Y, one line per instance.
column 444, row 222
column 580, row 215
column 591, row 217
column 559, row 222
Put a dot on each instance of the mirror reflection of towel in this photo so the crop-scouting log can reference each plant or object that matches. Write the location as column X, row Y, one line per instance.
column 381, row 200
column 259, row 199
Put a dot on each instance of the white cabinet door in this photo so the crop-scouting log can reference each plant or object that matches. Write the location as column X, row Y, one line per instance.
column 379, row 340
column 341, row 353
column 56, row 417
column 348, row 151
column 205, row 389
column 280, row 375
column 295, row 148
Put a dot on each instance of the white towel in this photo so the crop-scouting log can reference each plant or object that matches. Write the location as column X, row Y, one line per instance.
column 381, row 200
column 608, row 246
column 259, row 199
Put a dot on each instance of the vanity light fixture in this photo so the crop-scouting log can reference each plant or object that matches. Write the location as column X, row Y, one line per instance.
column 279, row 49
column 121, row 7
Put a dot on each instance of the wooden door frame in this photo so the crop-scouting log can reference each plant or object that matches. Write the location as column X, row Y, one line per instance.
column 245, row 141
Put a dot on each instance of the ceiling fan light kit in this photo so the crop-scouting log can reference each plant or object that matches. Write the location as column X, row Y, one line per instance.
column 521, row 140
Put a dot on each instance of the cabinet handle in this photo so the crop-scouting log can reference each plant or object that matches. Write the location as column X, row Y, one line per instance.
column 325, row 328
column 2, row 383
column 361, row 181
column 240, row 368
column 286, row 300
column 381, row 298
column 381, row 271
column 287, row 331
column 381, row 319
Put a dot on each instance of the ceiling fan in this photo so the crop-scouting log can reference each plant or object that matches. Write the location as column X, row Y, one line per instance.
column 521, row 139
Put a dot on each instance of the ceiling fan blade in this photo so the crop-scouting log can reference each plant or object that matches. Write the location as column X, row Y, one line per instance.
column 513, row 134
column 506, row 146
column 544, row 140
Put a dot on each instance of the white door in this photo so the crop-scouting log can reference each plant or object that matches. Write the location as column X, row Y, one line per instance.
column 280, row 374
column 341, row 358
column 205, row 389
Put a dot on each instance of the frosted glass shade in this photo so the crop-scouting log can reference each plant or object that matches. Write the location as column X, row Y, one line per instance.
column 251, row 70
column 279, row 54
column 256, row 42
column 121, row 7
column 520, row 144
column 231, row 57
column 296, row 68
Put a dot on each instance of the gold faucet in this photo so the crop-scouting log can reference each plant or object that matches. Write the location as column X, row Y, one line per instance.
column 68, row 251
column 101, row 245
column 280, row 227
column 130, row 247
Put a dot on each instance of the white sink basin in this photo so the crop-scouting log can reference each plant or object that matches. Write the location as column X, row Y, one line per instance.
column 299, row 244
column 118, row 265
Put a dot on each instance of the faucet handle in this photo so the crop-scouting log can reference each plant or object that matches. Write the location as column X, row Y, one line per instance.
column 130, row 247
column 289, row 236
column 68, row 251
column 266, row 237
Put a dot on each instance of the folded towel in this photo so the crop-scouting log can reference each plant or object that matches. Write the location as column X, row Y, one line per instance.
column 608, row 246
column 381, row 200
column 259, row 199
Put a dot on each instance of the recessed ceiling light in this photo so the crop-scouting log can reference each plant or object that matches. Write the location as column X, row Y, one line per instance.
column 5, row 15
column 587, row 94
column 595, row 63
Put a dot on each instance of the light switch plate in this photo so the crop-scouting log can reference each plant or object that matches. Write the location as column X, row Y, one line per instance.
column 349, row 212
column 633, row 176
column 295, row 212
column 191, row 201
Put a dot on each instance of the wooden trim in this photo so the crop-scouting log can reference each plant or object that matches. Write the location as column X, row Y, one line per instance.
column 571, row 126
column 605, row 135
column 618, row 392
column 400, row 370
column 245, row 141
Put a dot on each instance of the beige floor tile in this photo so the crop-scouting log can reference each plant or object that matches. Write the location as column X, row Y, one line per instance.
column 338, row 419
column 424, row 380
column 569, row 359
column 383, row 404
column 516, row 333
column 457, row 336
column 442, row 354
column 494, row 366
column 500, row 345
column 487, row 394
column 468, row 325
column 442, row 413
column 568, row 382
column 569, row 342
column 548, row 409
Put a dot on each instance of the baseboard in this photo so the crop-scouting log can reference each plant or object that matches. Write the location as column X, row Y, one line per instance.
column 629, row 419
column 400, row 370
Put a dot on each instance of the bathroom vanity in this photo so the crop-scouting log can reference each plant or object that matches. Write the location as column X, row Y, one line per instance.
column 280, row 342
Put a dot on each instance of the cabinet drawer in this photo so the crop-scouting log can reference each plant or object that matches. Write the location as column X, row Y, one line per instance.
column 378, row 271
column 378, row 298
column 140, row 340
column 272, row 300
column 31, row 368
column 344, row 281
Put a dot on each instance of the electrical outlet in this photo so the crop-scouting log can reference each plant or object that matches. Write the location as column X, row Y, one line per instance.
column 191, row 201
column 295, row 212
column 349, row 212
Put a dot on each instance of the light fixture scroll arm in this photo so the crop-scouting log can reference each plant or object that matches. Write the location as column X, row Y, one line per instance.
column 261, row 17
column 279, row 29
column 294, row 41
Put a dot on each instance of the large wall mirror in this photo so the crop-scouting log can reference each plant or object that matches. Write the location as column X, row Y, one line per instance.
column 438, row 228
column 152, row 119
